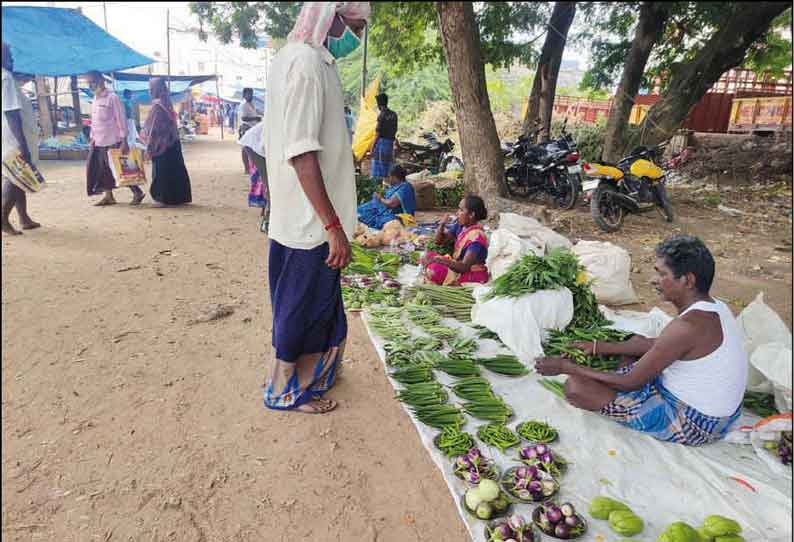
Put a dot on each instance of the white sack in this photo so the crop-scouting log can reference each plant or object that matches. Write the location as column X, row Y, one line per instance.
column 529, row 228
column 773, row 361
column 521, row 322
column 762, row 325
column 648, row 324
column 419, row 175
column 505, row 248
column 610, row 267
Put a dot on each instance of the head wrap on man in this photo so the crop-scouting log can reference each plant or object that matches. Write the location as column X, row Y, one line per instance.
column 316, row 18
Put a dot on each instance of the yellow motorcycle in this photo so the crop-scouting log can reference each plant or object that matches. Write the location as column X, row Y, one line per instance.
column 636, row 184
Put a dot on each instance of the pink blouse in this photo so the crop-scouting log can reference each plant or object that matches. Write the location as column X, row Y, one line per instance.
column 108, row 121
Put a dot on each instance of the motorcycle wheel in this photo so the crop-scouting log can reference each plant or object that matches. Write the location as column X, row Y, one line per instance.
column 515, row 188
column 663, row 203
column 449, row 160
column 568, row 192
column 606, row 212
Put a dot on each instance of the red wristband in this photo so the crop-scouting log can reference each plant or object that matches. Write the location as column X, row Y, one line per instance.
column 334, row 224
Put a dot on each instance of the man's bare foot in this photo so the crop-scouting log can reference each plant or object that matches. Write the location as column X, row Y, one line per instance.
column 138, row 198
column 30, row 225
column 10, row 230
column 105, row 201
column 317, row 406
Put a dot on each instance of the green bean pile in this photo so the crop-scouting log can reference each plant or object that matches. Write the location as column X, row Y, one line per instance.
column 439, row 416
column 452, row 441
column 498, row 435
column 458, row 367
column 491, row 409
column 423, row 394
column 533, row 273
column 473, row 388
column 535, row 431
column 452, row 301
column 504, row 364
column 553, row 386
column 412, row 374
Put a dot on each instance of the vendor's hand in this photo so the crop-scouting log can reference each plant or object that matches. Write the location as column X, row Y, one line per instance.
column 339, row 253
column 552, row 366
column 584, row 346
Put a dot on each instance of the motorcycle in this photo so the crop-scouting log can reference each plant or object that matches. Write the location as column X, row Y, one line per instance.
column 186, row 129
column 435, row 156
column 636, row 184
column 551, row 167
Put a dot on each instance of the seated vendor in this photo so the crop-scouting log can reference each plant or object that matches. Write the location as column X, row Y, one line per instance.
column 398, row 199
column 467, row 263
column 687, row 385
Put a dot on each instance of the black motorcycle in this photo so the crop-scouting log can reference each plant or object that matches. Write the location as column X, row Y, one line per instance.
column 548, row 167
column 434, row 155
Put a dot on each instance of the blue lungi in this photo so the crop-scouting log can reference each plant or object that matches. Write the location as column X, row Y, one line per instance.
column 309, row 325
column 382, row 158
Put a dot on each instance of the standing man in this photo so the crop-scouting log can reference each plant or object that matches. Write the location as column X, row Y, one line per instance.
column 349, row 121
column 313, row 194
column 248, row 118
column 385, row 133
column 20, row 132
column 108, row 131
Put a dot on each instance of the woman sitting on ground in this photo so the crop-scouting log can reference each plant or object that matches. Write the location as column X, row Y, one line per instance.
column 398, row 199
column 688, row 384
column 467, row 263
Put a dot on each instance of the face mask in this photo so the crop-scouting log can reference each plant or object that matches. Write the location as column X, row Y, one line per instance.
column 344, row 45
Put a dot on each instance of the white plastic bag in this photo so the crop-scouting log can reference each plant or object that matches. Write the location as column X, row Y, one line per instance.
column 773, row 361
column 648, row 324
column 419, row 175
column 505, row 248
column 610, row 267
column 529, row 228
column 762, row 326
column 521, row 322
column 769, row 429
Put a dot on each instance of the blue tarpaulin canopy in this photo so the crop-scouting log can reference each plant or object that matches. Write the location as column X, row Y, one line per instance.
column 58, row 42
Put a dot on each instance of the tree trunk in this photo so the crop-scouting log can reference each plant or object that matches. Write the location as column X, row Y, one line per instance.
column 482, row 156
column 75, row 100
column 43, row 101
column 544, row 87
column 690, row 81
column 653, row 16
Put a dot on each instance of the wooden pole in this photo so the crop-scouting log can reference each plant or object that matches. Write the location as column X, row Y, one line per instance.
column 218, row 93
column 43, row 100
column 55, row 110
column 75, row 100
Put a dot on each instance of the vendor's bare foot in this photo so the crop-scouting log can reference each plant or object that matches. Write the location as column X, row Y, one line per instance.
column 138, row 198
column 317, row 406
column 10, row 230
column 30, row 225
column 105, row 201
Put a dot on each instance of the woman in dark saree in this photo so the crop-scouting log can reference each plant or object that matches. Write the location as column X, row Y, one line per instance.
column 170, row 181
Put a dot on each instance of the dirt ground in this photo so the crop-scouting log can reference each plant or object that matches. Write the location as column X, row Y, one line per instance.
column 127, row 416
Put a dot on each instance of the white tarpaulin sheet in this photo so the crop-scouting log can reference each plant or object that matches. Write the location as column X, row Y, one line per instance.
column 661, row 482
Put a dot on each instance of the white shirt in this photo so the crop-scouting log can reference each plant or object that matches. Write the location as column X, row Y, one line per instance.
column 246, row 110
column 713, row 384
column 254, row 139
column 305, row 112
column 14, row 99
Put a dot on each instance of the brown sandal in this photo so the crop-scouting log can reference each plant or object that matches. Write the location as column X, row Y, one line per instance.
column 317, row 406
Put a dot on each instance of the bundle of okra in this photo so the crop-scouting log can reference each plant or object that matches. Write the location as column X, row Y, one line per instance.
column 559, row 344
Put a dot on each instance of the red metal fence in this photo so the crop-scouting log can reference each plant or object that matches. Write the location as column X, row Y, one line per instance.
column 711, row 114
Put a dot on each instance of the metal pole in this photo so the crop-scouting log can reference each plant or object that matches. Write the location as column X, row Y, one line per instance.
column 364, row 65
column 218, row 91
column 105, row 12
column 168, row 44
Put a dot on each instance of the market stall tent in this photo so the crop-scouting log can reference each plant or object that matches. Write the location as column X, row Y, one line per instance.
column 59, row 42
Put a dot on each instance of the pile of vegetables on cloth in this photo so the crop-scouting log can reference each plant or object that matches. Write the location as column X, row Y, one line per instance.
column 392, row 233
column 418, row 345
